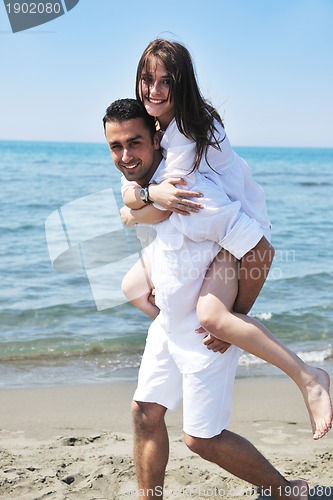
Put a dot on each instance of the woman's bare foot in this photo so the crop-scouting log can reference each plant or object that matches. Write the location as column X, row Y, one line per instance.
column 318, row 402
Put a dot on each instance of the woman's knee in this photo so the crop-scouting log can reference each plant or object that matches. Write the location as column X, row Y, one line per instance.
column 126, row 286
column 212, row 316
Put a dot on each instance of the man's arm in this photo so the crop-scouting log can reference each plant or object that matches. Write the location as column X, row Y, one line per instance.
column 131, row 198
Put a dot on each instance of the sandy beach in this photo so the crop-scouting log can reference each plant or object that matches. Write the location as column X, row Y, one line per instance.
column 76, row 443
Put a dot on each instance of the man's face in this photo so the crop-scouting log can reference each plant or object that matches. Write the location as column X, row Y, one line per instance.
column 132, row 149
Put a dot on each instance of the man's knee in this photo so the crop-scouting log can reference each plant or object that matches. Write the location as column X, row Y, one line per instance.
column 147, row 416
column 200, row 446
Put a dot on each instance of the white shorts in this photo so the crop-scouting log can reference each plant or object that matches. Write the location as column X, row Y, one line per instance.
column 206, row 394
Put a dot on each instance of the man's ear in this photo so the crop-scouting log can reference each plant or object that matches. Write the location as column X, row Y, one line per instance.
column 157, row 140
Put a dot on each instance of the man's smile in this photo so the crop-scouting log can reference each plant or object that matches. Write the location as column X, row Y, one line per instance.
column 130, row 166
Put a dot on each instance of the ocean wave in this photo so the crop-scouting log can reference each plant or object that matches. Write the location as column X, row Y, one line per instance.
column 308, row 276
column 82, row 307
column 16, row 228
column 317, row 356
column 313, row 356
column 263, row 315
column 60, row 350
column 314, row 183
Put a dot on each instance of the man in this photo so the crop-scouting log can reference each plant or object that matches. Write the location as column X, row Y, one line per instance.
column 176, row 365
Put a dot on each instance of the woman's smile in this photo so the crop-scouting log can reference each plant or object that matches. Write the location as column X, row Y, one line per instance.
column 155, row 92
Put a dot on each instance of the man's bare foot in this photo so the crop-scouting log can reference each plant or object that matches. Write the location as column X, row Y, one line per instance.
column 318, row 402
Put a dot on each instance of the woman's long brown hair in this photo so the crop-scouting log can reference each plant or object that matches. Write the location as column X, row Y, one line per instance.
column 193, row 114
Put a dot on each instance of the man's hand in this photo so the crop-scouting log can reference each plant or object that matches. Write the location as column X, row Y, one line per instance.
column 212, row 343
column 168, row 196
column 126, row 215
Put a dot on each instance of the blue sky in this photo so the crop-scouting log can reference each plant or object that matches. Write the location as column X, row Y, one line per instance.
column 266, row 64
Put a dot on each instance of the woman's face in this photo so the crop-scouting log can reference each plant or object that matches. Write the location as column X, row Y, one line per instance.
column 155, row 93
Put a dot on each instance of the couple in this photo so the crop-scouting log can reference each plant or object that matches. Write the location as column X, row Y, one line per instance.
column 176, row 364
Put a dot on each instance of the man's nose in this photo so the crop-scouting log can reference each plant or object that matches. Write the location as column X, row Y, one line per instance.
column 127, row 156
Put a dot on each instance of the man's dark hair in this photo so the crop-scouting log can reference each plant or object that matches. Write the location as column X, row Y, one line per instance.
column 127, row 109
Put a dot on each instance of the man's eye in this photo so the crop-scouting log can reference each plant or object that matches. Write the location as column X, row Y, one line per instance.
column 166, row 82
column 115, row 147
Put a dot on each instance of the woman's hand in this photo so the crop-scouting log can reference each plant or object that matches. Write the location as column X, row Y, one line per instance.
column 168, row 196
column 127, row 216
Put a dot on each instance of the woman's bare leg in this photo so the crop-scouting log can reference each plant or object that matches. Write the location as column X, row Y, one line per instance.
column 137, row 288
column 215, row 314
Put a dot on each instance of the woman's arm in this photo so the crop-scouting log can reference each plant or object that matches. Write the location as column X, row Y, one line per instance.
column 167, row 195
column 145, row 215
column 180, row 156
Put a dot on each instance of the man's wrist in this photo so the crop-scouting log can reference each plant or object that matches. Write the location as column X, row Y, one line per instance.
column 153, row 183
column 144, row 195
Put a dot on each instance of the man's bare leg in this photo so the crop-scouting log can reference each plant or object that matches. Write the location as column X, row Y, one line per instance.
column 151, row 448
column 239, row 457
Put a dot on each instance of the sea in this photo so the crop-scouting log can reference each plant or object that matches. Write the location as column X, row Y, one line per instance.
column 60, row 325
